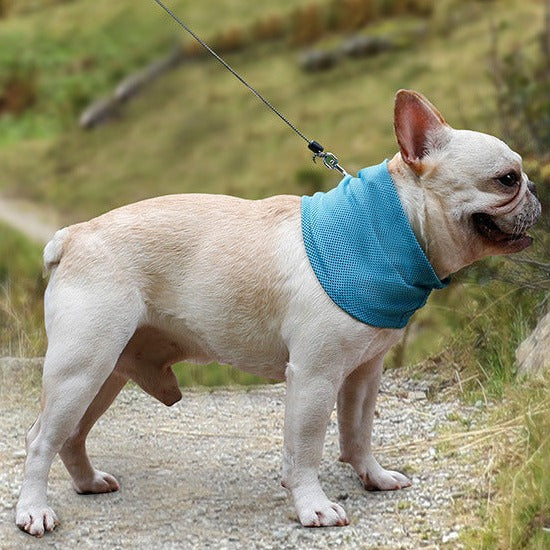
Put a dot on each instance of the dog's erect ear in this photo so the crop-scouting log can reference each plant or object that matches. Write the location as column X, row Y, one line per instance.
column 419, row 127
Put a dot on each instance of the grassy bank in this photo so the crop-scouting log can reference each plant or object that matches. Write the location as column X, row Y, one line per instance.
column 516, row 511
column 198, row 129
column 21, row 295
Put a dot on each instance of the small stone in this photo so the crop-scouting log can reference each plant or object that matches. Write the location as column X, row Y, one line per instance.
column 449, row 537
column 417, row 395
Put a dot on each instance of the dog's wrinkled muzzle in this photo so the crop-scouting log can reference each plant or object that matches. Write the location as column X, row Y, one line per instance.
column 507, row 226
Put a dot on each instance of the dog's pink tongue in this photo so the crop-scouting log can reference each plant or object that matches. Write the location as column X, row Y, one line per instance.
column 518, row 244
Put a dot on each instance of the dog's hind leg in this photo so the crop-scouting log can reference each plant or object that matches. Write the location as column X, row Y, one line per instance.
column 86, row 479
column 146, row 359
column 87, row 331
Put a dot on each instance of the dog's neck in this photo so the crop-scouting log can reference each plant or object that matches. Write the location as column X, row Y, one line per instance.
column 432, row 231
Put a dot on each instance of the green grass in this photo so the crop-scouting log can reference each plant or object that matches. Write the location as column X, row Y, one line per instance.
column 21, row 295
column 517, row 515
column 495, row 306
column 214, row 375
column 75, row 51
column 198, row 129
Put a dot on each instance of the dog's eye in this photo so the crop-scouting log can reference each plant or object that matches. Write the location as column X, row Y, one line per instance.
column 509, row 180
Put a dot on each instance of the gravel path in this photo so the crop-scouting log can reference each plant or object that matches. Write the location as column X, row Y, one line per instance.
column 205, row 473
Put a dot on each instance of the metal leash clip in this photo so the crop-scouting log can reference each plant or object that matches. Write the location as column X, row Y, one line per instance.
column 329, row 160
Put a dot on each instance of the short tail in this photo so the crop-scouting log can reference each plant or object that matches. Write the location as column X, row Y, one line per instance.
column 53, row 251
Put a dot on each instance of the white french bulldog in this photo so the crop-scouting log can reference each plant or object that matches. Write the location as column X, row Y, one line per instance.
column 264, row 286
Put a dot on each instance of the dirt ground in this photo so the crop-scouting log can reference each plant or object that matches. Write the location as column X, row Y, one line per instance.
column 205, row 472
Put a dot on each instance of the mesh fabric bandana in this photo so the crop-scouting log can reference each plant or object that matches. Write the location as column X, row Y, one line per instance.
column 364, row 252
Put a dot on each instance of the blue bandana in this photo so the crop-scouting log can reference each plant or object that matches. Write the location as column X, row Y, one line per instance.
column 364, row 252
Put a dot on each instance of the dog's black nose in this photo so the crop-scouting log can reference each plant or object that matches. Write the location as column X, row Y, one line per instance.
column 532, row 188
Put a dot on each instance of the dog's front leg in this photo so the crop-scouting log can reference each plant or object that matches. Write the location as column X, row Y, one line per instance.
column 356, row 405
column 310, row 400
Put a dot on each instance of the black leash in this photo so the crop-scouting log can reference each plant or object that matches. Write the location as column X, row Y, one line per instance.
column 329, row 160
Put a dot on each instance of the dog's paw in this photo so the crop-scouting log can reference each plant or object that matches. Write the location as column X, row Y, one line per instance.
column 36, row 520
column 322, row 514
column 387, row 480
column 376, row 478
column 98, row 482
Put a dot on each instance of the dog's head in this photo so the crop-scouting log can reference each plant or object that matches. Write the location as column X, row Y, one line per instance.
column 465, row 192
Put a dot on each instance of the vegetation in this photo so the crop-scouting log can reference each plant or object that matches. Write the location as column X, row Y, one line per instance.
column 519, row 515
column 522, row 81
column 21, row 292
column 84, row 173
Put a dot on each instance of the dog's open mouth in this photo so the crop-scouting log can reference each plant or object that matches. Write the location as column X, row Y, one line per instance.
column 488, row 229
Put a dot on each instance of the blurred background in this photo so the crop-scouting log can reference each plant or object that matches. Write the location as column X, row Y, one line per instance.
column 104, row 103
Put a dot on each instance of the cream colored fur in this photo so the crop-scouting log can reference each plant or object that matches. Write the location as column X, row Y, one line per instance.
column 214, row 278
